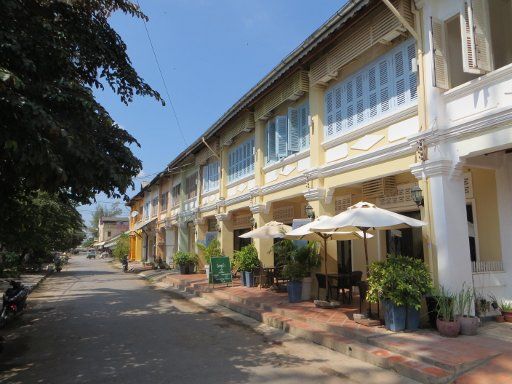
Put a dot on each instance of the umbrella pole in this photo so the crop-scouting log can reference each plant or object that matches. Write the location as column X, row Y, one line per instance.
column 369, row 313
column 327, row 296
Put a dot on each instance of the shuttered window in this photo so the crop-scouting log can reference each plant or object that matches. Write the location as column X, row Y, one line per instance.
column 191, row 186
column 286, row 135
column 211, row 176
column 175, row 195
column 385, row 85
column 241, row 161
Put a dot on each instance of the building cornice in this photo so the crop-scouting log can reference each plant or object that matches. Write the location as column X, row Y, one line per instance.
column 432, row 168
column 260, row 208
column 223, row 216
column 314, row 194
column 285, row 184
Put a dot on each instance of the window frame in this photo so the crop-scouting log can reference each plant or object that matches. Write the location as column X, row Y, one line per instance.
column 209, row 185
column 241, row 160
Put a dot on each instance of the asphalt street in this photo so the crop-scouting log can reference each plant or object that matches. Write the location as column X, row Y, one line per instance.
column 92, row 323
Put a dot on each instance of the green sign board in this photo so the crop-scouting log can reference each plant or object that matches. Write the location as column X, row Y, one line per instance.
column 220, row 270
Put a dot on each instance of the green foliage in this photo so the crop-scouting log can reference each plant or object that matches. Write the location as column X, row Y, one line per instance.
column 122, row 247
column 464, row 301
column 297, row 262
column 184, row 258
column 445, row 304
column 10, row 263
column 505, row 305
column 54, row 135
column 247, row 258
column 400, row 279
column 283, row 251
column 210, row 250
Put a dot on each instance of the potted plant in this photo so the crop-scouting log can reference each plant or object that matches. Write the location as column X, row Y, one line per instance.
column 309, row 258
column 400, row 282
column 248, row 259
column 186, row 262
column 294, row 271
column 209, row 251
column 506, row 310
column 447, row 324
column 464, row 301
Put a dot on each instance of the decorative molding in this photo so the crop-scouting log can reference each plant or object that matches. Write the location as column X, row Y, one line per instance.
column 199, row 220
column 287, row 169
column 366, row 142
column 221, row 202
column 479, row 83
column 240, row 181
column 380, row 155
column 237, row 199
column 432, row 168
column 206, row 208
column 372, row 127
column 285, row 184
column 260, row 208
column 329, row 194
column 223, row 216
column 314, row 194
column 287, row 160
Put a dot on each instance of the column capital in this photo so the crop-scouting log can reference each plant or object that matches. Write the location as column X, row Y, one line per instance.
column 441, row 167
column 199, row 220
column 223, row 216
column 314, row 194
column 260, row 208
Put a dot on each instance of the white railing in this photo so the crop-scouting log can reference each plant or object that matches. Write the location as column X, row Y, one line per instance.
column 487, row 266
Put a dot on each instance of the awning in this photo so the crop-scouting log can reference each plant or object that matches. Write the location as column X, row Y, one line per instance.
column 142, row 224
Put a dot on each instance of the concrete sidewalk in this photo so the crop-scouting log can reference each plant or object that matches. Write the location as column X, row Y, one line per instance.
column 424, row 355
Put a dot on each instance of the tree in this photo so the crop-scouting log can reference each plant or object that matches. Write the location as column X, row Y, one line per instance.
column 54, row 136
column 122, row 247
column 102, row 211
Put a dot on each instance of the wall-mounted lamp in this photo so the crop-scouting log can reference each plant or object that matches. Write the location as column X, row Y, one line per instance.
column 252, row 220
column 310, row 212
column 417, row 196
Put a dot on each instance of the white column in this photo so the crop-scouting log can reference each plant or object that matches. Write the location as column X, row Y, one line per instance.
column 504, row 196
column 449, row 222
column 169, row 245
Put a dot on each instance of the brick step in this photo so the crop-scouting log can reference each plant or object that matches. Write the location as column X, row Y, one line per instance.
column 418, row 370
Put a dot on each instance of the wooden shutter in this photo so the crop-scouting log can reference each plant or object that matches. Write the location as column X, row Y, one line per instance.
column 271, row 141
column 293, row 130
column 476, row 37
column 440, row 67
column 206, row 185
column 304, row 126
column 281, row 136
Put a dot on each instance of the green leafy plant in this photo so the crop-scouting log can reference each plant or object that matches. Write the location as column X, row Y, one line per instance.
column 445, row 304
column 247, row 258
column 210, row 250
column 184, row 258
column 297, row 262
column 122, row 247
column 402, row 280
column 283, row 251
column 464, row 300
column 505, row 305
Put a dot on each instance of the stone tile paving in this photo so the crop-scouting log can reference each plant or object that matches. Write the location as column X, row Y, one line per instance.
column 485, row 358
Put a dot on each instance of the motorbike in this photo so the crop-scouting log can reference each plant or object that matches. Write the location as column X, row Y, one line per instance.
column 124, row 262
column 14, row 302
column 58, row 264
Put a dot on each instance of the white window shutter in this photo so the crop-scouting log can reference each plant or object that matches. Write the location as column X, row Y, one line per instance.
column 293, row 130
column 206, row 186
column 271, row 141
column 440, row 67
column 476, row 37
column 281, row 136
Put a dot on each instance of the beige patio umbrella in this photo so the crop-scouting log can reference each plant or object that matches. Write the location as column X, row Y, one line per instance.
column 271, row 230
column 364, row 217
column 306, row 233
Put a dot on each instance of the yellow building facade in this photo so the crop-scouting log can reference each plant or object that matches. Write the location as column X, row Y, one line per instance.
column 360, row 111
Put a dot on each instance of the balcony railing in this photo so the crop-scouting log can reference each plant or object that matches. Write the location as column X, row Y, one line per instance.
column 487, row 266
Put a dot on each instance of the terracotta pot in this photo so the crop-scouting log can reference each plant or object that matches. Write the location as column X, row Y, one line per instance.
column 508, row 318
column 500, row 319
column 469, row 325
column 448, row 328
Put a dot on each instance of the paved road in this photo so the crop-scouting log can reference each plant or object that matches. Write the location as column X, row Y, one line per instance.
column 93, row 324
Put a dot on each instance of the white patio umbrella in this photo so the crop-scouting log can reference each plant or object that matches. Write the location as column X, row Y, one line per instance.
column 271, row 230
column 306, row 233
column 364, row 217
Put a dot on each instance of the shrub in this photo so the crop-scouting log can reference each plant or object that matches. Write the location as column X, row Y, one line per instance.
column 400, row 279
column 183, row 258
column 210, row 250
column 122, row 247
column 247, row 258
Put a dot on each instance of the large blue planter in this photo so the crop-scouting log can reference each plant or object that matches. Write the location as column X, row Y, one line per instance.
column 294, row 291
column 249, row 281
column 242, row 278
column 394, row 316
column 412, row 322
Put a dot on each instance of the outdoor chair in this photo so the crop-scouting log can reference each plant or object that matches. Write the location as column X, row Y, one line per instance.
column 320, row 279
column 355, row 277
column 344, row 282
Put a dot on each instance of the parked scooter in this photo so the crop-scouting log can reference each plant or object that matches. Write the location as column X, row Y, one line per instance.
column 14, row 301
column 58, row 263
column 124, row 262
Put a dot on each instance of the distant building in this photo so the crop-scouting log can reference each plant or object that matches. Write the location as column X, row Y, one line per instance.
column 109, row 227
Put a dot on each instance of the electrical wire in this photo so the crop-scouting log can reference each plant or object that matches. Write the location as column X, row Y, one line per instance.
column 163, row 79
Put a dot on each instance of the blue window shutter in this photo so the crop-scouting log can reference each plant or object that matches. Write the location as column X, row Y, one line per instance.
column 413, row 81
column 293, row 130
column 304, row 126
column 206, row 186
column 271, row 141
column 281, row 136
column 399, row 71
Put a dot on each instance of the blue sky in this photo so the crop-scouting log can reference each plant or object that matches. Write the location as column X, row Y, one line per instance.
column 211, row 52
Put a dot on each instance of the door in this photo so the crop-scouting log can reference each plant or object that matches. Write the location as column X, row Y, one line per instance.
column 238, row 242
column 344, row 256
column 406, row 241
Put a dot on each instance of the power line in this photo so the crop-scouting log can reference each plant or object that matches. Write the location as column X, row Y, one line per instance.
column 163, row 79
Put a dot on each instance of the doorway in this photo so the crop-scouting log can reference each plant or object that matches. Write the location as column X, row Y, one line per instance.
column 406, row 241
column 238, row 242
column 344, row 252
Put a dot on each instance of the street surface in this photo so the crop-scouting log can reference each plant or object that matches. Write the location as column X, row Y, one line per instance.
column 94, row 324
